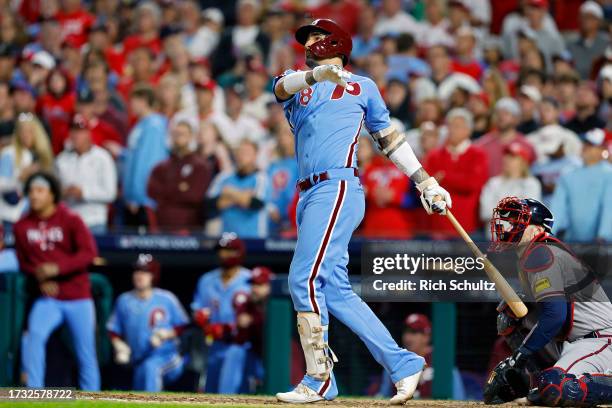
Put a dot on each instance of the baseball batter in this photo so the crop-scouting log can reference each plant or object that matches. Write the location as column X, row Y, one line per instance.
column 326, row 108
column 144, row 327
column 573, row 311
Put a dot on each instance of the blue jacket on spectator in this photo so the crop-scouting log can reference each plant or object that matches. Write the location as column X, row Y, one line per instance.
column 282, row 175
column 581, row 203
column 146, row 147
column 245, row 222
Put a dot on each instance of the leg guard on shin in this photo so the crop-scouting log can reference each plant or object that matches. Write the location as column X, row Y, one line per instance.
column 549, row 387
column 319, row 357
column 557, row 388
column 587, row 391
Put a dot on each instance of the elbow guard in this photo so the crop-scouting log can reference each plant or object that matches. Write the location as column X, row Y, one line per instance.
column 396, row 148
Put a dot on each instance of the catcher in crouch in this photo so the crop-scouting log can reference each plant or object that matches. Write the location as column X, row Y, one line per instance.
column 572, row 316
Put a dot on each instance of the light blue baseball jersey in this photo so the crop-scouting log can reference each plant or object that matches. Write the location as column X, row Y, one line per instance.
column 135, row 319
column 245, row 222
column 327, row 119
column 212, row 293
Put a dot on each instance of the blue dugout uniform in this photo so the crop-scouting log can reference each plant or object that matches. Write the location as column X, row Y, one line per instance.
column 227, row 361
column 135, row 320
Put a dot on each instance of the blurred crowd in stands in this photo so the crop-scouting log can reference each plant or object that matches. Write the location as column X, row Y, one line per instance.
column 159, row 116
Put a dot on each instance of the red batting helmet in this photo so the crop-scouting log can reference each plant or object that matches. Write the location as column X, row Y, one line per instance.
column 147, row 263
column 261, row 275
column 229, row 240
column 418, row 322
column 338, row 42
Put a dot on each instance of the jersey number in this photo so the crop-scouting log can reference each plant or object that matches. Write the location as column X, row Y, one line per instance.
column 339, row 91
column 306, row 94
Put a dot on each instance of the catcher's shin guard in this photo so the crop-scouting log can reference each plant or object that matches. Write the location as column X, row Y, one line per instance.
column 549, row 384
column 587, row 391
column 319, row 357
column 557, row 388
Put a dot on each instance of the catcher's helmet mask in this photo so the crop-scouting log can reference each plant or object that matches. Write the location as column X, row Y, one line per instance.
column 511, row 218
column 337, row 43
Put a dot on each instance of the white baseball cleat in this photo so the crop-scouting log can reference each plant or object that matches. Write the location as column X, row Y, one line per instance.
column 300, row 395
column 405, row 389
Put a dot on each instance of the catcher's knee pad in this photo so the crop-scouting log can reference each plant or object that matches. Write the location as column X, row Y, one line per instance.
column 319, row 357
column 549, row 386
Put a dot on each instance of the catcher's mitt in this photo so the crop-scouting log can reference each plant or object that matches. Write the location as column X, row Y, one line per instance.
column 506, row 383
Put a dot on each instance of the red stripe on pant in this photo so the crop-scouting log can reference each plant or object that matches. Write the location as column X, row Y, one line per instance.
column 325, row 386
column 322, row 249
column 590, row 354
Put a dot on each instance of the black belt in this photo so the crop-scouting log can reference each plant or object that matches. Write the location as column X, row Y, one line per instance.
column 595, row 334
column 307, row 183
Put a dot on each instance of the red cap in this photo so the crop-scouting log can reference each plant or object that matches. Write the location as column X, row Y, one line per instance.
column 147, row 263
column 208, row 84
column 517, row 149
column 418, row 322
column 538, row 3
column 261, row 275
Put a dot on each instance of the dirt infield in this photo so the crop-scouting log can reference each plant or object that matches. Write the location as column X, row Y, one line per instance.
column 175, row 400
column 264, row 401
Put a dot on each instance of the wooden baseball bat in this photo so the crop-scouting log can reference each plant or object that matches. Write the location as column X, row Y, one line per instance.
column 501, row 284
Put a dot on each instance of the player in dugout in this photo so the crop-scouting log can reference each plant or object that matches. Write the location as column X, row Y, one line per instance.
column 54, row 249
column 573, row 316
column 417, row 337
column 250, row 319
column 214, row 311
column 144, row 328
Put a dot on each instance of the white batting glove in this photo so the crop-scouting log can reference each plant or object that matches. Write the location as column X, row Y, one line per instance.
column 332, row 73
column 430, row 190
column 122, row 351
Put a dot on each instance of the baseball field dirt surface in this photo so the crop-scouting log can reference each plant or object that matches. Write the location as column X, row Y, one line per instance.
column 112, row 399
column 118, row 399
